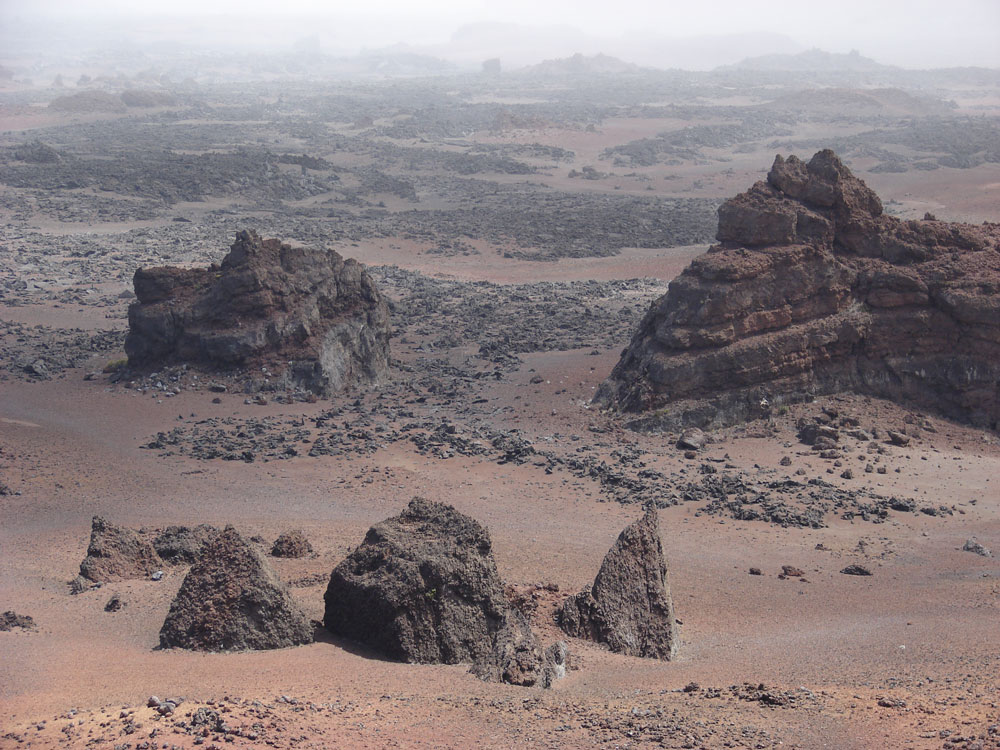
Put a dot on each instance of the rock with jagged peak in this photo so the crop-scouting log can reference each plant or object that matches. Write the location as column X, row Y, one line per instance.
column 814, row 290
column 311, row 318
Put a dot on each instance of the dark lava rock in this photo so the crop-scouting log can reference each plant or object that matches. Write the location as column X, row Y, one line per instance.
column 117, row 553
column 114, row 604
column 423, row 587
column 232, row 600
column 292, row 544
column 629, row 606
column 814, row 290
column 313, row 319
column 182, row 545
column 856, row 570
column 10, row 620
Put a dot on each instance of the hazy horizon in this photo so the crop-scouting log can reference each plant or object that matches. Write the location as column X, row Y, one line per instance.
column 918, row 34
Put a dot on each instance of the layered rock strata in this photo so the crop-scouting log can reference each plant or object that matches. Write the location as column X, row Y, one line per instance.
column 812, row 290
column 312, row 318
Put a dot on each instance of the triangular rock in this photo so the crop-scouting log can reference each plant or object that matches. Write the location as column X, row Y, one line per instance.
column 116, row 553
column 629, row 606
column 232, row 600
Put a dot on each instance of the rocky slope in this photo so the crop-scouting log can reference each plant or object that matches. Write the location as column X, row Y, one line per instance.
column 813, row 290
column 313, row 319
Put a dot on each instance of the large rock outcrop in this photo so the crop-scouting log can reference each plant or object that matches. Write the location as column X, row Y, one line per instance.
column 116, row 553
column 423, row 587
column 313, row 319
column 629, row 607
column 232, row 600
column 814, row 290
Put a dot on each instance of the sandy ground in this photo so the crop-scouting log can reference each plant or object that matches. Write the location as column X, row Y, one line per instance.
column 922, row 629
column 905, row 658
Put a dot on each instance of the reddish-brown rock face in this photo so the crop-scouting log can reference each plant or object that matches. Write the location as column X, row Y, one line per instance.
column 311, row 316
column 814, row 290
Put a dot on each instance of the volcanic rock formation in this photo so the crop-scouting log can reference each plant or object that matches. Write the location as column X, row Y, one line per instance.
column 315, row 320
column 629, row 606
column 183, row 545
column 813, row 290
column 232, row 600
column 423, row 587
column 117, row 553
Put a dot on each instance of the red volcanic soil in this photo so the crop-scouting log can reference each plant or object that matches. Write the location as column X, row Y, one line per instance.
column 889, row 660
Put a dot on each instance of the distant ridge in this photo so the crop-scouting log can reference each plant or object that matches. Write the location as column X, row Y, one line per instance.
column 811, row 60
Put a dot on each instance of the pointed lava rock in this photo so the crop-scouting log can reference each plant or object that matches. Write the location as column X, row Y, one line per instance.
column 629, row 606
column 232, row 600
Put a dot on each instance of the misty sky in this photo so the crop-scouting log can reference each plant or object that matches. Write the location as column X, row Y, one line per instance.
column 912, row 33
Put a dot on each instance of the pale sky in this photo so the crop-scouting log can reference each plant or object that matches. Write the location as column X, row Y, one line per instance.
column 913, row 33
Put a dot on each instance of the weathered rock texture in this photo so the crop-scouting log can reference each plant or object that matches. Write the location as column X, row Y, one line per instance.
column 183, row 545
column 232, row 600
column 291, row 544
column 116, row 553
column 314, row 319
column 629, row 606
column 423, row 587
column 814, row 290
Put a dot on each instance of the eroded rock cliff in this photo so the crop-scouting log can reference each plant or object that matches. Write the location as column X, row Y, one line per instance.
column 812, row 289
column 314, row 319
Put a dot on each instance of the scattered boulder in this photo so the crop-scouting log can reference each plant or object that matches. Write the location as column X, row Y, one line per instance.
column 971, row 545
column 308, row 317
column 182, row 545
column 423, row 587
column 856, row 570
column 10, row 620
column 692, row 439
column 629, row 607
column 114, row 604
column 292, row 544
column 898, row 438
column 117, row 553
column 811, row 290
column 232, row 600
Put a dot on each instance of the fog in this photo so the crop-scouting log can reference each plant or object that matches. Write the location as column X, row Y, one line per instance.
column 906, row 33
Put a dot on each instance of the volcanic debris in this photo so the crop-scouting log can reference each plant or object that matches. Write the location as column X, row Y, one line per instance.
column 117, row 553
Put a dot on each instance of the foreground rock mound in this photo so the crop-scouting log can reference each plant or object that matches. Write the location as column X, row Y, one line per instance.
column 116, row 553
column 813, row 290
column 315, row 320
column 629, row 606
column 423, row 587
column 232, row 600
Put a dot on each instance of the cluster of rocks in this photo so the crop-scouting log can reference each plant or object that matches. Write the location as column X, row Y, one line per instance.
column 422, row 587
column 10, row 620
column 814, row 290
column 41, row 352
column 310, row 317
